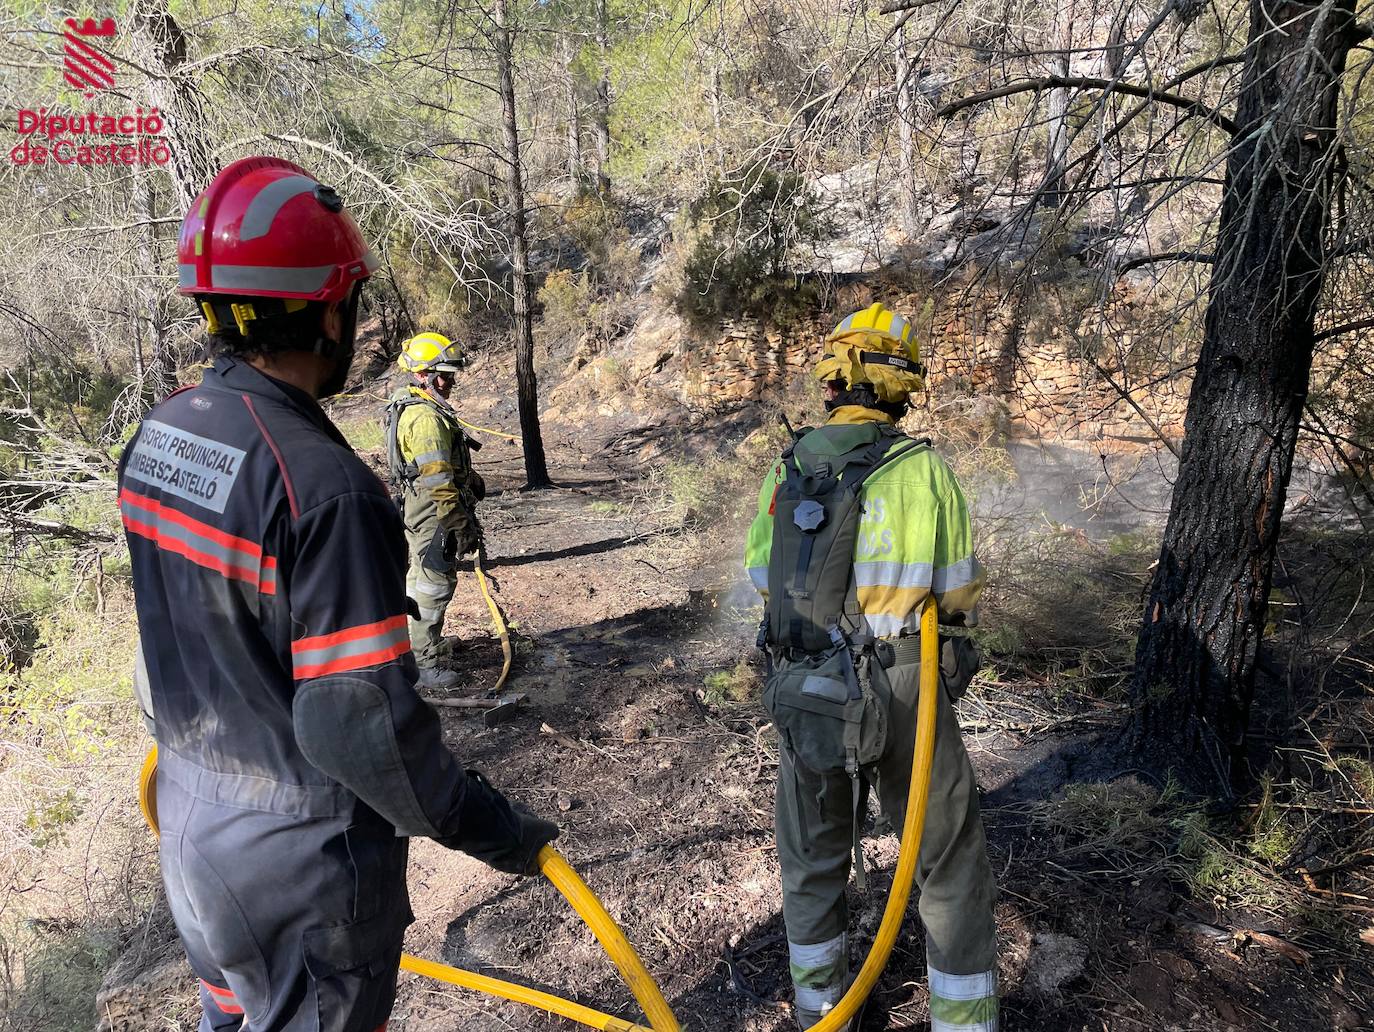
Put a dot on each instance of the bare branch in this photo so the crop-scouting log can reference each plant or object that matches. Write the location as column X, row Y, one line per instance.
column 1047, row 82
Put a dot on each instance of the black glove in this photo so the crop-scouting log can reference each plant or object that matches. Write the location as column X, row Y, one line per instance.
column 477, row 485
column 468, row 540
column 959, row 661
column 441, row 552
column 503, row 835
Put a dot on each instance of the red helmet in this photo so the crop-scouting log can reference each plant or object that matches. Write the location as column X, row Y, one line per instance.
column 265, row 227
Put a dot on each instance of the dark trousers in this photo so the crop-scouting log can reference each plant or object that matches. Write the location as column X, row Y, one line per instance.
column 292, row 924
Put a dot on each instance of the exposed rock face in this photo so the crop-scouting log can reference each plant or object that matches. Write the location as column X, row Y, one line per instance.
column 1043, row 372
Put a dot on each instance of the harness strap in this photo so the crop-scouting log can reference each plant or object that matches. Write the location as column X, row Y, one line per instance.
column 858, row 806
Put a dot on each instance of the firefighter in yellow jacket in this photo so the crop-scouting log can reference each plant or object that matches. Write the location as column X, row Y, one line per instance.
column 430, row 460
column 844, row 648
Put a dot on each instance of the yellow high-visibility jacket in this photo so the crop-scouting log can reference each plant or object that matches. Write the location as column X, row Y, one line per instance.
column 915, row 536
column 429, row 436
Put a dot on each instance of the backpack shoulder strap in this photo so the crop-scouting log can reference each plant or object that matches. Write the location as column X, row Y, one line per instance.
column 401, row 471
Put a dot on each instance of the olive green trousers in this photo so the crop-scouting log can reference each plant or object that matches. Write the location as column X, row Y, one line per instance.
column 814, row 821
column 431, row 589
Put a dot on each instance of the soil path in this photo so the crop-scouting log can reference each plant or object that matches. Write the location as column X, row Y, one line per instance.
column 664, row 793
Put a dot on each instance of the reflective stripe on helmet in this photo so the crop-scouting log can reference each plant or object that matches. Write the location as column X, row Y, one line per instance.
column 257, row 220
column 874, row 319
column 266, row 277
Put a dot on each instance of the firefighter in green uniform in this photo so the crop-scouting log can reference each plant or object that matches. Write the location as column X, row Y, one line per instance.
column 844, row 653
column 430, row 459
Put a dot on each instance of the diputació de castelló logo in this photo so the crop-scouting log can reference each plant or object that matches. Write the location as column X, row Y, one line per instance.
column 53, row 136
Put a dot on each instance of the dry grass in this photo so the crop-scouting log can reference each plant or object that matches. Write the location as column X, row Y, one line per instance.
column 79, row 870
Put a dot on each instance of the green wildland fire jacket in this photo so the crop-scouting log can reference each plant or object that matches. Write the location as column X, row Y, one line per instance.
column 915, row 537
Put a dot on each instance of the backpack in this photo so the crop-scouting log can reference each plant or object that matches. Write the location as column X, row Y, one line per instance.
column 401, row 474
column 830, row 714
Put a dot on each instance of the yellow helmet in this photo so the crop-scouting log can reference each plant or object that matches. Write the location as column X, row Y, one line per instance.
column 430, row 352
column 875, row 347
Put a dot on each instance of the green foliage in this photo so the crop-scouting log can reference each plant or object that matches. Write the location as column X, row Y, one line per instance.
column 593, row 303
column 566, row 299
column 738, row 237
column 49, row 817
column 63, row 966
column 364, row 433
column 739, row 684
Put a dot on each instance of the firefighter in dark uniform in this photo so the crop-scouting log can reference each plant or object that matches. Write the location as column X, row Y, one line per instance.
column 294, row 755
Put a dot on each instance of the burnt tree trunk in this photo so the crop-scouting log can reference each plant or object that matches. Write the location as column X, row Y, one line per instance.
column 1194, row 676
column 603, row 102
column 527, row 388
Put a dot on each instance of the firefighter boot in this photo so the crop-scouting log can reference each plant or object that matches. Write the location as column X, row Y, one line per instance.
column 437, row 680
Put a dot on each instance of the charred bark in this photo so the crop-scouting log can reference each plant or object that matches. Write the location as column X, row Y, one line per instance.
column 1194, row 677
column 527, row 388
column 603, row 102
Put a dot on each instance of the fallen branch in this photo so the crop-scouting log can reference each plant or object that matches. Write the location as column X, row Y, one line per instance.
column 1126, row 396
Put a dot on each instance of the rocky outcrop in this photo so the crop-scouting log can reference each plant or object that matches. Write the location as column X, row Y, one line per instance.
column 1043, row 370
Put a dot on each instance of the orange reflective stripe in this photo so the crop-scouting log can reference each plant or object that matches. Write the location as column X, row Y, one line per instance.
column 224, row 999
column 353, row 648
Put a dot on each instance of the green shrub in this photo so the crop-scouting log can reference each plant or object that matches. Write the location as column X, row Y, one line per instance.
column 738, row 239
column 739, row 684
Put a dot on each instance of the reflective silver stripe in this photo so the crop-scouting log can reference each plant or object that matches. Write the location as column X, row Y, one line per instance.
column 269, row 277
column 888, row 574
column 759, row 576
column 371, row 262
column 956, row 999
column 956, row 575
column 348, row 649
column 434, row 585
column 898, row 325
column 431, row 456
column 263, row 208
column 819, row 1000
column 819, row 954
column 936, row 1025
column 962, row 987
column 186, row 275
column 236, row 557
column 882, row 625
column 830, row 957
column 434, row 480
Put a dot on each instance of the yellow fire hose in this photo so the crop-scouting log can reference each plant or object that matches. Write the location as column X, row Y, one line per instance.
column 608, row 933
column 497, row 618
column 919, row 794
column 583, row 900
column 486, row 429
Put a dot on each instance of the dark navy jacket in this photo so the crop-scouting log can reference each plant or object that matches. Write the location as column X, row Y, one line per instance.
column 269, row 578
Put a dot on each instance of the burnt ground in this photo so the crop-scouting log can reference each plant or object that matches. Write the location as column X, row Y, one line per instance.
column 663, row 787
column 664, row 793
